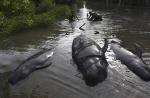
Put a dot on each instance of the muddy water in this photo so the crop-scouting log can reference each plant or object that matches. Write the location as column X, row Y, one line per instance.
column 61, row 79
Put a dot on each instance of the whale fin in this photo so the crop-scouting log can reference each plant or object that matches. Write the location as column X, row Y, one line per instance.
column 96, row 32
column 104, row 49
column 81, row 27
column 138, row 50
column 43, row 66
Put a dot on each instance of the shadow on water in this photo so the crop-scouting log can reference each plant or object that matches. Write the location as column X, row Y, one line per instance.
column 60, row 80
column 4, row 86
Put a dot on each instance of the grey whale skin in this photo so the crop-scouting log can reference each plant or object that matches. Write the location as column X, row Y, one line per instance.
column 90, row 59
column 132, row 61
column 37, row 61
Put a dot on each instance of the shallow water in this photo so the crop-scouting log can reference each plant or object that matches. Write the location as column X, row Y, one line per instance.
column 61, row 79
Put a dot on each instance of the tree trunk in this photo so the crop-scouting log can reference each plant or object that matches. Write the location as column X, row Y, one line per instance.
column 119, row 2
column 107, row 3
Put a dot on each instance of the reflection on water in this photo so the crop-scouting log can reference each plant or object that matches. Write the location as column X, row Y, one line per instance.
column 28, row 39
column 61, row 79
column 84, row 11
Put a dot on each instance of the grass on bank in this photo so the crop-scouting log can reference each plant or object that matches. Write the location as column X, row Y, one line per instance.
column 15, row 18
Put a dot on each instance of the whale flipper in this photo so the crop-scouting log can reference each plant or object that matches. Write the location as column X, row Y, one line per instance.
column 138, row 50
column 44, row 63
column 104, row 48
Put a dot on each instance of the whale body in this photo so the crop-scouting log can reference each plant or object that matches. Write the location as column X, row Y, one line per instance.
column 90, row 59
column 132, row 61
column 37, row 61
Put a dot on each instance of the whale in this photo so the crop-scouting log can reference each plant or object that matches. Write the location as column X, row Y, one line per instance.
column 37, row 61
column 90, row 59
column 93, row 16
column 133, row 60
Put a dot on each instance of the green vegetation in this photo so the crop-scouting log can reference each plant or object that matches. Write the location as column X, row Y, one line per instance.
column 16, row 15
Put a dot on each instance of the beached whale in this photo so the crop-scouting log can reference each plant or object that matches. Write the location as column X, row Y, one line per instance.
column 133, row 61
column 90, row 59
column 37, row 61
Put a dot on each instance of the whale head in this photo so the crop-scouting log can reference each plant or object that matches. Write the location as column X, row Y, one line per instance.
column 95, row 75
column 17, row 75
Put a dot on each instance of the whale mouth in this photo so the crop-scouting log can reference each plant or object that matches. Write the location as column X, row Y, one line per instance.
column 12, row 81
column 93, row 81
column 90, row 81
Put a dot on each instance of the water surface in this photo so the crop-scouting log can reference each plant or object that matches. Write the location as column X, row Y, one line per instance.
column 61, row 79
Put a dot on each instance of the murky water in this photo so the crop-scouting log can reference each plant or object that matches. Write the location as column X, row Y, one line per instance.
column 61, row 79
